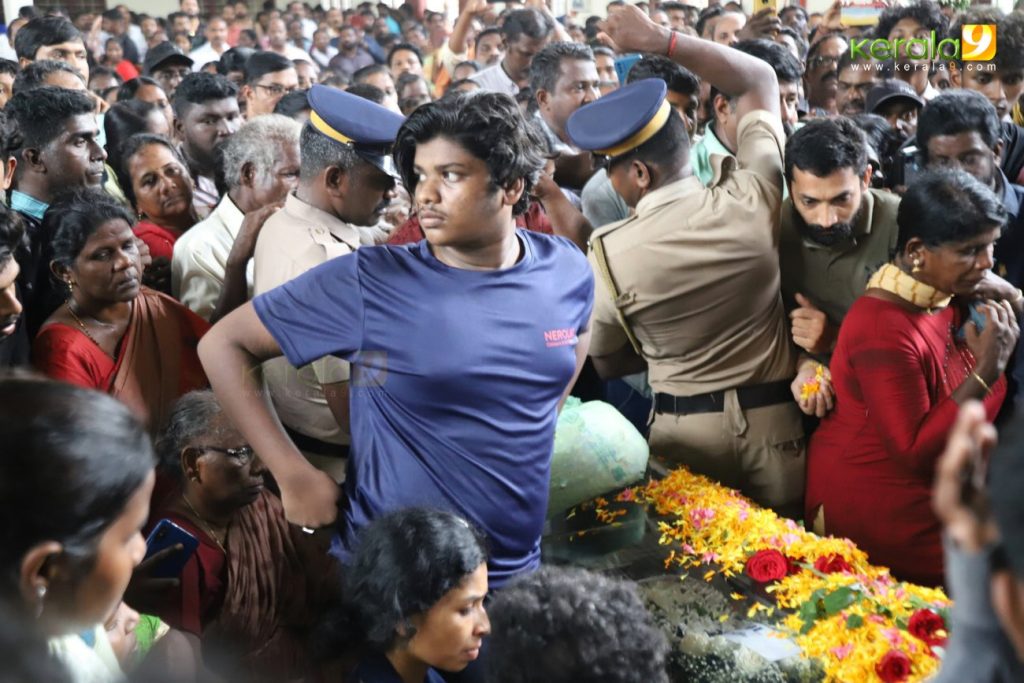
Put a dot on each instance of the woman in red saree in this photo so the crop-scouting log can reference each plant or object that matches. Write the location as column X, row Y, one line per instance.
column 113, row 334
column 253, row 589
column 909, row 353
column 156, row 182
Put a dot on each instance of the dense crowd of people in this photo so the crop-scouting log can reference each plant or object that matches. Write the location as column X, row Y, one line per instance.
column 291, row 300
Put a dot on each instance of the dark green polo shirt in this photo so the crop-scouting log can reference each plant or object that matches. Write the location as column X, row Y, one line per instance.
column 834, row 277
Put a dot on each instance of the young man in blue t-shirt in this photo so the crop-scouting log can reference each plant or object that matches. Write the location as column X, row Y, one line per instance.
column 462, row 346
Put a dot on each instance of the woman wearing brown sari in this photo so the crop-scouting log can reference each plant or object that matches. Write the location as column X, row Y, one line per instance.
column 113, row 334
column 251, row 591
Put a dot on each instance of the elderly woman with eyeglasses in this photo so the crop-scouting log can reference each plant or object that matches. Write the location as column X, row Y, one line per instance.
column 255, row 581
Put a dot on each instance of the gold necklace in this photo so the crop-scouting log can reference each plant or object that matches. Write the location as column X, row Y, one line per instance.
column 81, row 323
column 206, row 525
column 891, row 279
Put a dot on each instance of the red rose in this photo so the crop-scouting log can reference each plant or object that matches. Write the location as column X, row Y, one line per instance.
column 928, row 626
column 894, row 667
column 767, row 565
column 832, row 564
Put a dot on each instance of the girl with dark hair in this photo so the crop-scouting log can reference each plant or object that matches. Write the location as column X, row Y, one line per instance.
column 414, row 597
column 75, row 483
column 112, row 334
column 910, row 351
column 454, row 396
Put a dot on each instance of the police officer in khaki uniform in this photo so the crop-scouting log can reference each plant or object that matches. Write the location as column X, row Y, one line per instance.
column 689, row 285
column 346, row 180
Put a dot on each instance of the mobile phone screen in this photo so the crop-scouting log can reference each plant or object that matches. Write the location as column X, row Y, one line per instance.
column 861, row 12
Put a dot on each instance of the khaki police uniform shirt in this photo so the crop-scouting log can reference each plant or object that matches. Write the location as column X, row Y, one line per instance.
column 698, row 273
column 292, row 241
column 834, row 277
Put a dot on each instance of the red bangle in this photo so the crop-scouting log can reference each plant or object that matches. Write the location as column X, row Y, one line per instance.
column 672, row 43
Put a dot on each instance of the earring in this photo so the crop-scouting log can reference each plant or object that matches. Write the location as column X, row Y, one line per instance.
column 40, row 599
column 917, row 266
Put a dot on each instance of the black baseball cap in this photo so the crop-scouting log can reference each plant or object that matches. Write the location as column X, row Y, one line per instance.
column 164, row 54
column 889, row 90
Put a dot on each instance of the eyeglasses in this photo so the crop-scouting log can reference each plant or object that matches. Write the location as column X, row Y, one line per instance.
column 277, row 90
column 243, row 454
column 816, row 62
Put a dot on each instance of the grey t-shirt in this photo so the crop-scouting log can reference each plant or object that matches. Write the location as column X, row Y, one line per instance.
column 601, row 203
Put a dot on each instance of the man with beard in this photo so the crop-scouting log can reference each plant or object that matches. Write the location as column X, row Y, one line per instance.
column 205, row 115
column 346, row 180
column 821, row 74
column 835, row 233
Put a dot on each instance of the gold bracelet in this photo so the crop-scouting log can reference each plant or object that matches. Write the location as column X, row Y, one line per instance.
column 988, row 390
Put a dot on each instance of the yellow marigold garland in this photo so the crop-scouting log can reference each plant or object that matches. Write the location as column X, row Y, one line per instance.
column 862, row 612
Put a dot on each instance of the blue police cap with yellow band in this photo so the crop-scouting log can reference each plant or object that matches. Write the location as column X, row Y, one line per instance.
column 622, row 120
column 369, row 128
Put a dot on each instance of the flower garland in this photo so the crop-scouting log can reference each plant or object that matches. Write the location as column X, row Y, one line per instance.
column 862, row 624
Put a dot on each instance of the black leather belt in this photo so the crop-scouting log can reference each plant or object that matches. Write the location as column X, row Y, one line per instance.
column 316, row 446
column 756, row 396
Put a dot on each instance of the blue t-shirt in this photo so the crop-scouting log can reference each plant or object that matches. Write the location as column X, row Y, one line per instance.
column 456, row 378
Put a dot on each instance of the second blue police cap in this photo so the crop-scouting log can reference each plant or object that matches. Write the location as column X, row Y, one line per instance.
column 622, row 120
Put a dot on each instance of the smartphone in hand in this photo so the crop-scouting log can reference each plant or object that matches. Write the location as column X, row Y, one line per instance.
column 166, row 534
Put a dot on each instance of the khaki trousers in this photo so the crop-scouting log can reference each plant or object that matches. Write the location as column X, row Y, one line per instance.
column 761, row 452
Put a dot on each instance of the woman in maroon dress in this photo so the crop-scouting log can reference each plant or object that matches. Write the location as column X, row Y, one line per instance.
column 909, row 352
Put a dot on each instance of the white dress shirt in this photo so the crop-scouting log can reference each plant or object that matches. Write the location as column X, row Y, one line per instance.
column 201, row 258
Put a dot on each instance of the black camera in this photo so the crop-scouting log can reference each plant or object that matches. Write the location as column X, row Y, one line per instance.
column 902, row 167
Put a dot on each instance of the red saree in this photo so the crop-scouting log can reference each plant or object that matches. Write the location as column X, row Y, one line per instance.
column 156, row 361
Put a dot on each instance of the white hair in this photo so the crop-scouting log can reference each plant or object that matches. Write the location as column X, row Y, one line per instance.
column 258, row 142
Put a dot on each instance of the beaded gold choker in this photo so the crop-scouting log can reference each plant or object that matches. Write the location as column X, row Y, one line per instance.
column 893, row 280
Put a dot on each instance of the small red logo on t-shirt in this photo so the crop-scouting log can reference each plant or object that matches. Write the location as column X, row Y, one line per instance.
column 562, row 337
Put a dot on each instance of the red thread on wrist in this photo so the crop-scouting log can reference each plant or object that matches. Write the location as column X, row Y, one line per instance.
column 672, row 43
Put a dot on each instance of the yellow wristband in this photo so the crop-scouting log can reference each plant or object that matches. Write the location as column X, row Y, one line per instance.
column 988, row 389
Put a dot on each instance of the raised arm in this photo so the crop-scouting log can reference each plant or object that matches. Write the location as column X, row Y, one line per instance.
column 748, row 79
column 231, row 353
column 467, row 10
